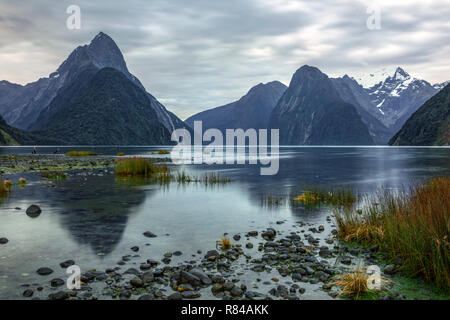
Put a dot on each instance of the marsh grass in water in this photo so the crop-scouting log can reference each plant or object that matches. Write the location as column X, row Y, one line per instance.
column 272, row 201
column 412, row 225
column 143, row 167
column 207, row 179
column 136, row 166
column 56, row 175
column 317, row 197
column 81, row 153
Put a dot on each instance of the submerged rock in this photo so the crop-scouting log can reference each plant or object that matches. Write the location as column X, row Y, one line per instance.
column 149, row 234
column 33, row 211
column 67, row 264
column 44, row 271
column 3, row 241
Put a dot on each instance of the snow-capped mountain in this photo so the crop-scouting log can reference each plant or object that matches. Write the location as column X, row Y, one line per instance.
column 385, row 99
column 399, row 96
column 368, row 80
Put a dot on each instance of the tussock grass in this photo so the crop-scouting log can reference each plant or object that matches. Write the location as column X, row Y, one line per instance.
column 353, row 283
column 5, row 187
column 224, row 243
column 412, row 225
column 80, row 153
column 7, row 184
column 163, row 152
column 120, row 154
column 136, row 166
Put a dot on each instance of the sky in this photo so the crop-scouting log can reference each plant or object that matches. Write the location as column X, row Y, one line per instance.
column 198, row 54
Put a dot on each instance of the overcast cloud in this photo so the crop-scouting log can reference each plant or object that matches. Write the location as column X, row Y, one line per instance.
column 197, row 54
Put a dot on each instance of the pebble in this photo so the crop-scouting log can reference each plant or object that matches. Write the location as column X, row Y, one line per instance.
column 28, row 293
column 389, row 269
column 57, row 282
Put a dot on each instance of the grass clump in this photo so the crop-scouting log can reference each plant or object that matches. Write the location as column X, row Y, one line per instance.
column 224, row 243
column 316, row 197
column 136, row 166
column 120, row 154
column 412, row 225
column 353, row 283
column 356, row 283
column 5, row 187
column 81, row 153
column 56, row 175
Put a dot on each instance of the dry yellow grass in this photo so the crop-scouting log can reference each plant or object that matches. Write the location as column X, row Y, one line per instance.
column 4, row 189
column 81, row 153
column 224, row 243
column 353, row 283
column 413, row 225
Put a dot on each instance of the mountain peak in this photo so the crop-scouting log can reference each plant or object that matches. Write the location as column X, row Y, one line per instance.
column 401, row 74
column 101, row 37
column 308, row 69
column 261, row 87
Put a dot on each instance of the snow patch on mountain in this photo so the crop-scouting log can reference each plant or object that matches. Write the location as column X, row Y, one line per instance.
column 368, row 80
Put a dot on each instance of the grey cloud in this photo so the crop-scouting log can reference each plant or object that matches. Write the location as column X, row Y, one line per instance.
column 198, row 54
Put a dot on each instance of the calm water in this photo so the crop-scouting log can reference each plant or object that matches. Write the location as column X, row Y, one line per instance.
column 95, row 219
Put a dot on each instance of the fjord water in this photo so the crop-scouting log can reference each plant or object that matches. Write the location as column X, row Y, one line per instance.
column 96, row 218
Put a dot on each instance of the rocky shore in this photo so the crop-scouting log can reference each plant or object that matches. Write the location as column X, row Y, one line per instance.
column 259, row 265
column 48, row 163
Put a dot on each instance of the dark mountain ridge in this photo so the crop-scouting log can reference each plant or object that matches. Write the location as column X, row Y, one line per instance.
column 29, row 107
column 310, row 112
column 251, row 111
column 105, row 108
column 429, row 125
